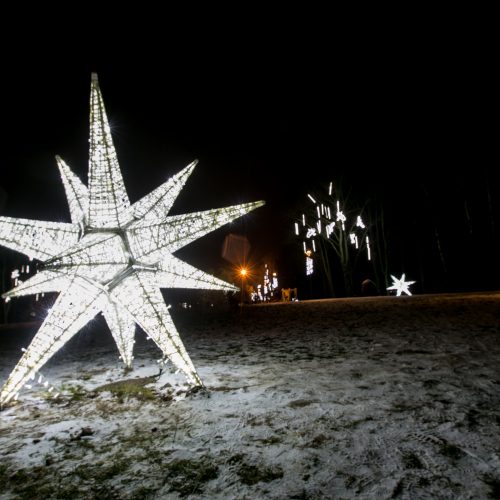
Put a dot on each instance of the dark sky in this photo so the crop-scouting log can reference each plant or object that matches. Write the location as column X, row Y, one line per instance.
column 406, row 121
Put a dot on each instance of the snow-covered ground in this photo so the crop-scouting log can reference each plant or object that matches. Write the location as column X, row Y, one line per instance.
column 381, row 397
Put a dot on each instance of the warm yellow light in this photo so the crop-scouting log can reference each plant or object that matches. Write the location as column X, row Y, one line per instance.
column 243, row 272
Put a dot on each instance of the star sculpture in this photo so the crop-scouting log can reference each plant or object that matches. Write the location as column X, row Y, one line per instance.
column 112, row 258
column 400, row 285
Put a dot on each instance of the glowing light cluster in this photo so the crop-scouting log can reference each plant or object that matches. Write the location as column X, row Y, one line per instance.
column 400, row 285
column 267, row 290
column 112, row 258
column 329, row 221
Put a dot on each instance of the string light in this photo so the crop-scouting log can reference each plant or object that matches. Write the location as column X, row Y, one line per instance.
column 112, row 258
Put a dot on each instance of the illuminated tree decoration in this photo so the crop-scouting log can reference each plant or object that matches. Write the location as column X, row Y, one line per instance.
column 400, row 285
column 112, row 258
column 327, row 222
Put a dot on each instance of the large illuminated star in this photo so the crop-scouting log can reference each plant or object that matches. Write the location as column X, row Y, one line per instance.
column 112, row 258
column 400, row 285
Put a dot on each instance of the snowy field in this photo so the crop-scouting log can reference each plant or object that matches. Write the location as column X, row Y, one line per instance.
column 381, row 397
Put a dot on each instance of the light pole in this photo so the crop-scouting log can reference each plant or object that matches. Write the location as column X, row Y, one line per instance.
column 243, row 273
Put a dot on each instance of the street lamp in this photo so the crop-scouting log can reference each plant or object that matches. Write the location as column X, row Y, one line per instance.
column 243, row 273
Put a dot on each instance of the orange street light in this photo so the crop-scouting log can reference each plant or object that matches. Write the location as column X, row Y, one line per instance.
column 243, row 273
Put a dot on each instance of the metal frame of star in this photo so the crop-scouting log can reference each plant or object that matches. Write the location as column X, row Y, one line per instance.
column 113, row 258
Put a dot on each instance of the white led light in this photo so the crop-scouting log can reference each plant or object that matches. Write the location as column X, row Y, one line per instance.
column 309, row 266
column 311, row 232
column 341, row 217
column 112, row 258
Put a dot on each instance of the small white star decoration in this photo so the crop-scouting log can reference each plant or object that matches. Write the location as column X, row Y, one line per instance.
column 112, row 258
column 400, row 285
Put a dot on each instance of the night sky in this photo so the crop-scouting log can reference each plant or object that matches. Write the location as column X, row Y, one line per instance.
column 401, row 124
